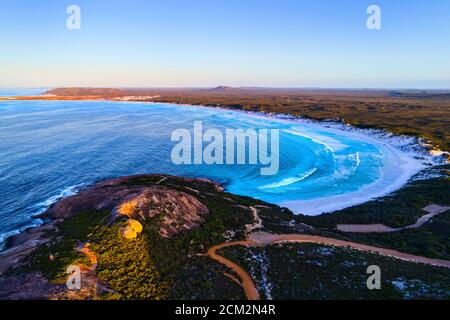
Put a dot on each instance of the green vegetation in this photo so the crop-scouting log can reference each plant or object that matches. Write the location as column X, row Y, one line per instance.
column 62, row 246
column 430, row 240
column 151, row 266
column 155, row 267
column 399, row 209
column 175, row 258
column 126, row 265
column 310, row 271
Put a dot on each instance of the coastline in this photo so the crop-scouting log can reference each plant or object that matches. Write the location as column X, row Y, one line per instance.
column 403, row 167
column 419, row 145
column 26, row 244
column 39, row 218
column 412, row 152
column 406, row 148
column 109, row 193
column 21, row 245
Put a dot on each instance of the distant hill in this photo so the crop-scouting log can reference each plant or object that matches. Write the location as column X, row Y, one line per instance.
column 222, row 88
column 79, row 91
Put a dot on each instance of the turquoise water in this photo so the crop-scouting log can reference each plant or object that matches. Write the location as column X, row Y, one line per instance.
column 49, row 149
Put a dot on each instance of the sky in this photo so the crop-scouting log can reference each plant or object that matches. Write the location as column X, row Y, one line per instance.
column 205, row 43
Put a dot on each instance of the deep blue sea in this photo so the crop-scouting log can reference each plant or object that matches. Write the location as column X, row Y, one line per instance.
column 50, row 149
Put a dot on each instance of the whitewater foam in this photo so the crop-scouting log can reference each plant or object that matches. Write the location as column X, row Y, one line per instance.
column 63, row 193
column 411, row 152
column 289, row 181
column 39, row 209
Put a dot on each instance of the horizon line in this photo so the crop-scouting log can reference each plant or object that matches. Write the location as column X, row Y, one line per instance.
column 233, row 87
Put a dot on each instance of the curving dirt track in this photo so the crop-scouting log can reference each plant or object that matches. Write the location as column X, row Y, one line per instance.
column 247, row 283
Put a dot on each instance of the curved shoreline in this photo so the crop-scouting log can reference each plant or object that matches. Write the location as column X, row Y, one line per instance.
column 413, row 157
column 398, row 169
column 36, row 218
column 332, row 203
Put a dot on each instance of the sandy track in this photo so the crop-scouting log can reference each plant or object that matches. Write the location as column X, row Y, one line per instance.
column 257, row 222
column 264, row 239
column 432, row 210
column 247, row 283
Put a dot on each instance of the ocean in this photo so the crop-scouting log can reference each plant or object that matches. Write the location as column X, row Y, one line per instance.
column 51, row 149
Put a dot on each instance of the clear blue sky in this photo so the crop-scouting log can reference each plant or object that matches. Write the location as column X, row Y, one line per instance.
column 295, row 43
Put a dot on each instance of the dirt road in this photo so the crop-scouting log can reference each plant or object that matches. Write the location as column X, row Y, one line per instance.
column 247, row 283
column 432, row 210
column 265, row 239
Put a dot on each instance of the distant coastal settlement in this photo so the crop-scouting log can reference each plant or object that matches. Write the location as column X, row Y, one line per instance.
column 419, row 113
